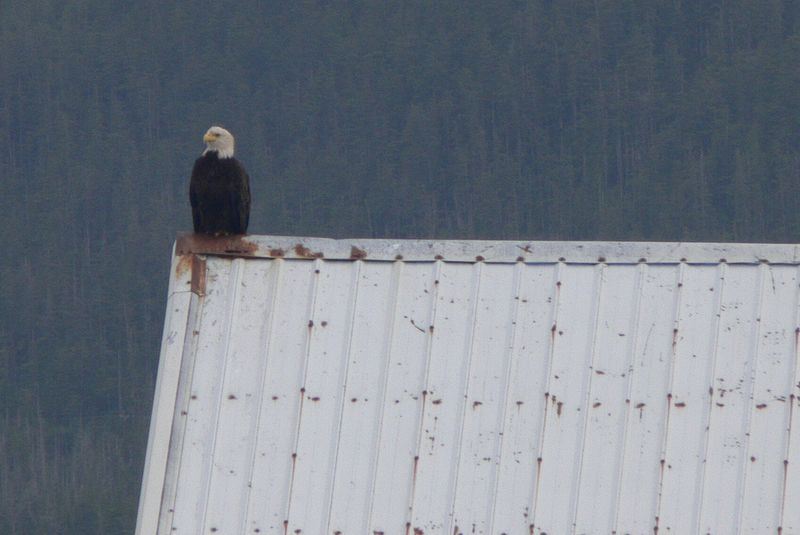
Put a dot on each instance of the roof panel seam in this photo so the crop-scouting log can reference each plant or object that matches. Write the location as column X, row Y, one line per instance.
column 753, row 366
column 629, row 405
column 795, row 383
column 510, row 343
column 306, row 356
column 262, row 387
column 476, row 293
column 720, row 297
column 234, row 296
column 343, row 387
column 597, row 299
column 554, row 318
column 182, row 397
column 676, row 321
column 387, row 353
column 421, row 426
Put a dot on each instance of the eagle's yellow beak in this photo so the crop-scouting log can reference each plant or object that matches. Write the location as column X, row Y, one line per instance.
column 209, row 137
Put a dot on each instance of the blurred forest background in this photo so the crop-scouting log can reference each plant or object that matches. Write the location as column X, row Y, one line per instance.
column 540, row 119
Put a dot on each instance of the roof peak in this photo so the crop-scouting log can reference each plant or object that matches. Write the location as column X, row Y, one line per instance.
column 491, row 251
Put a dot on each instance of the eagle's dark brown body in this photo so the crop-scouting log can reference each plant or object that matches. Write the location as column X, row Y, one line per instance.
column 219, row 192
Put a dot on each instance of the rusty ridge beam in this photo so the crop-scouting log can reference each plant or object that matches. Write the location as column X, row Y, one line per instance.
column 232, row 245
column 471, row 251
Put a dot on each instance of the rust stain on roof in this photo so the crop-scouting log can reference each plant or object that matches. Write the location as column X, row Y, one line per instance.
column 304, row 252
column 198, row 275
column 184, row 265
column 196, row 264
column 357, row 254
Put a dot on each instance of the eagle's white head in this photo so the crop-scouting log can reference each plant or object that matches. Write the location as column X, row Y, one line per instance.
column 220, row 141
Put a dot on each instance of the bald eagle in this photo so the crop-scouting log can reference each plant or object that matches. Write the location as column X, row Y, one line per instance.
column 219, row 190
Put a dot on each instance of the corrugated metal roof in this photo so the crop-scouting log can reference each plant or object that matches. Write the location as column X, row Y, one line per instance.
column 322, row 387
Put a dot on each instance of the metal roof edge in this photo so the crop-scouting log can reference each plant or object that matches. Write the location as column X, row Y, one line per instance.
column 180, row 300
column 579, row 252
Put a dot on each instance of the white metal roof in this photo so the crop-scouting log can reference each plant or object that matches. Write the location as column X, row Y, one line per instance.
column 406, row 387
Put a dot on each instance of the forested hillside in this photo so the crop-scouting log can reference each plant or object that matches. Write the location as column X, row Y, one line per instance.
column 540, row 119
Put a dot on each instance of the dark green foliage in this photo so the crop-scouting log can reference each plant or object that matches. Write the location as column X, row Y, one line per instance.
column 541, row 119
